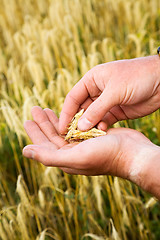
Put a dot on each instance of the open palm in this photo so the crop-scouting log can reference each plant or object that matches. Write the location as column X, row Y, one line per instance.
column 111, row 154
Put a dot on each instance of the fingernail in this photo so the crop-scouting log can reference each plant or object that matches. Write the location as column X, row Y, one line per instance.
column 84, row 124
column 28, row 153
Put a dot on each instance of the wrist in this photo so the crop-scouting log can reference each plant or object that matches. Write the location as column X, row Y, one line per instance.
column 152, row 174
column 152, row 69
column 155, row 68
column 145, row 170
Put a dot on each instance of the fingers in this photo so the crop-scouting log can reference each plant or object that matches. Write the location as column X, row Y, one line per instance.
column 108, row 120
column 97, row 110
column 81, row 157
column 35, row 133
column 49, row 156
column 74, row 99
column 77, row 160
column 102, row 125
column 52, row 118
column 88, row 158
column 81, row 96
column 117, row 113
column 86, row 104
column 46, row 126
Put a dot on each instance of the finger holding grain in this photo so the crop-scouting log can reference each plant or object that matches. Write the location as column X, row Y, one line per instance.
column 74, row 134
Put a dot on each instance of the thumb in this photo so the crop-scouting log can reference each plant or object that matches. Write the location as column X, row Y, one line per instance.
column 97, row 110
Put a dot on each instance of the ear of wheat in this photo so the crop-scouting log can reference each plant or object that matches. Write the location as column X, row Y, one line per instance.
column 74, row 134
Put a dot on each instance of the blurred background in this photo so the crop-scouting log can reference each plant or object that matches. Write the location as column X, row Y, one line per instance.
column 46, row 46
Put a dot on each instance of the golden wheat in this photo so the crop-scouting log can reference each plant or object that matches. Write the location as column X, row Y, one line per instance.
column 74, row 134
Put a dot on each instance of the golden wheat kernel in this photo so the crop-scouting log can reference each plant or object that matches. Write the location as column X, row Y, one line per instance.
column 74, row 134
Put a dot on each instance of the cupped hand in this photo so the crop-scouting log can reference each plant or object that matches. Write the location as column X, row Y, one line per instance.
column 114, row 91
column 122, row 152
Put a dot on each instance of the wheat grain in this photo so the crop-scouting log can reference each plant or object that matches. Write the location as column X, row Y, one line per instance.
column 76, row 135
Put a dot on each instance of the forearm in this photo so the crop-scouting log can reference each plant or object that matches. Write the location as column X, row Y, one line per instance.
column 152, row 183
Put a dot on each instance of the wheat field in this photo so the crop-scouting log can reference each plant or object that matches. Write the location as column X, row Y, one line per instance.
column 46, row 46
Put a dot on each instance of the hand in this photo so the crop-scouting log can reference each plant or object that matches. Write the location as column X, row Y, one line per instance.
column 122, row 152
column 114, row 91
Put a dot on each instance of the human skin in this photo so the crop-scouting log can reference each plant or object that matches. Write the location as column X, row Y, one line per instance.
column 123, row 152
column 114, row 91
